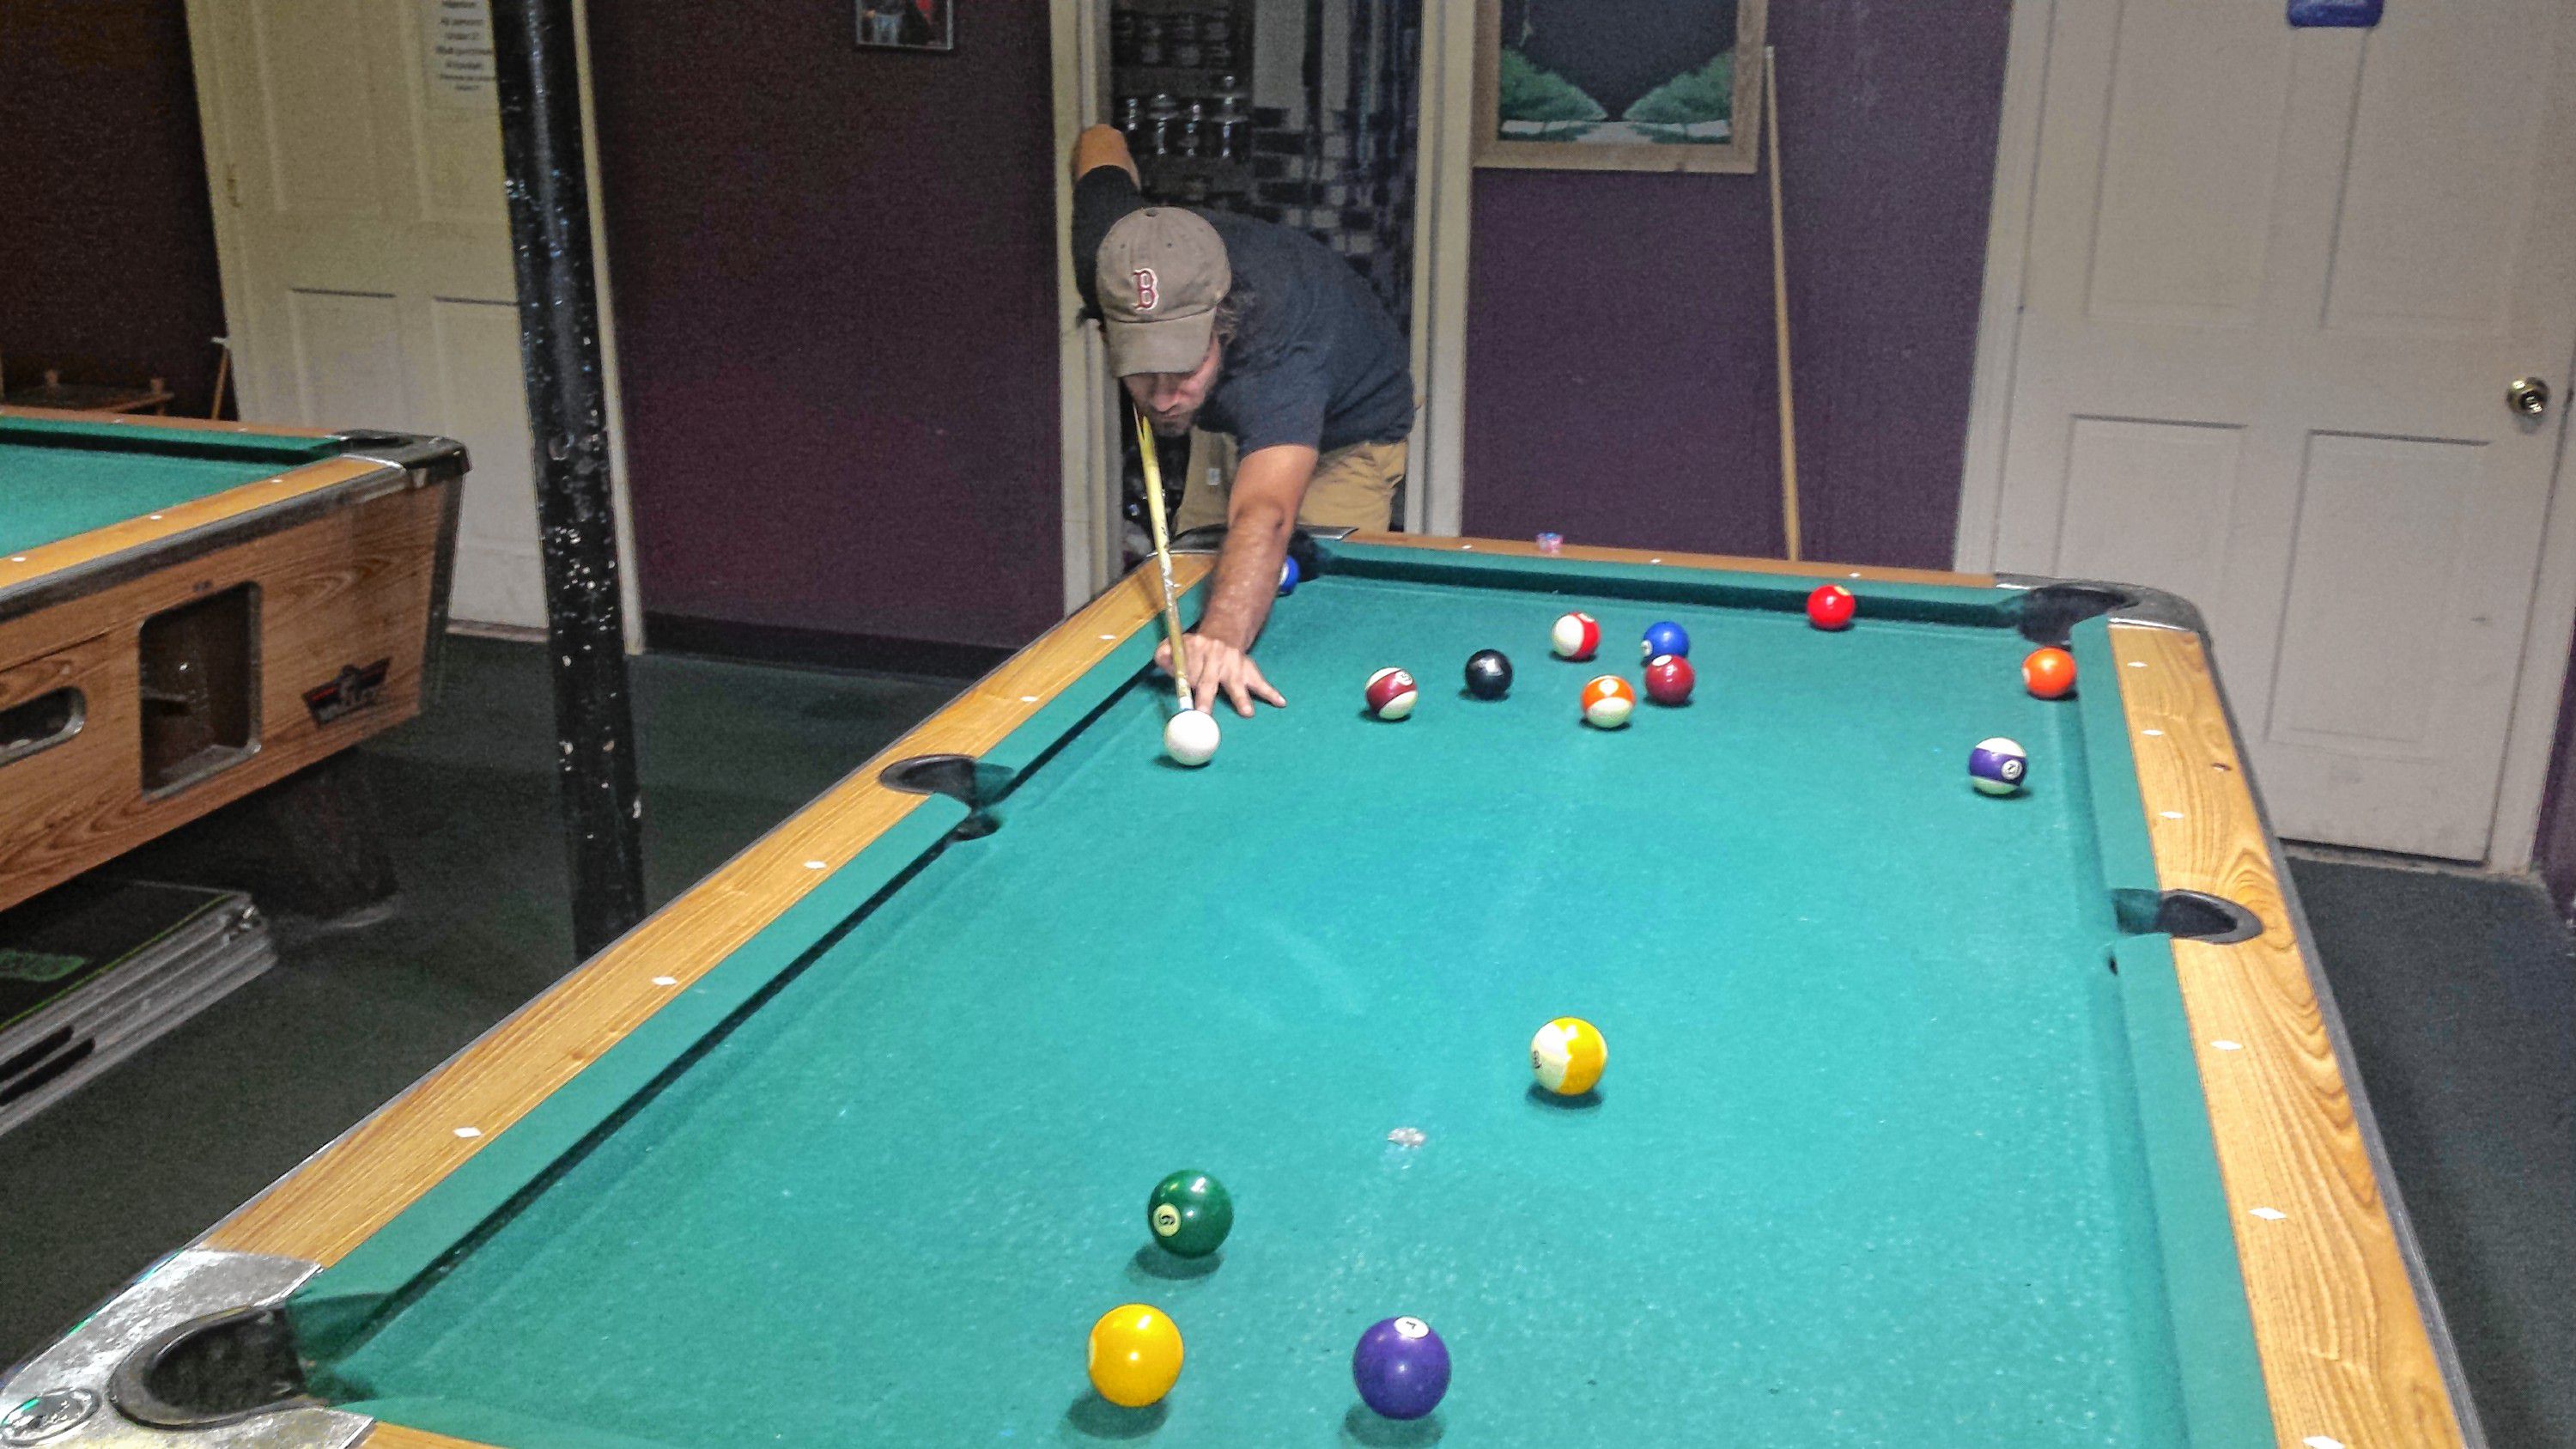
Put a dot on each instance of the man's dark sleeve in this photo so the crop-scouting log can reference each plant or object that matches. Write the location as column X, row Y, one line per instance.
column 1101, row 197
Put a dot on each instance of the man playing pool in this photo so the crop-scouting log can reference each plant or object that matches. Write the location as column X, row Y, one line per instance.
column 1261, row 333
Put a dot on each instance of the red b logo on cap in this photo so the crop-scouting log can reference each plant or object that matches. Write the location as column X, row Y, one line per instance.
column 1146, row 295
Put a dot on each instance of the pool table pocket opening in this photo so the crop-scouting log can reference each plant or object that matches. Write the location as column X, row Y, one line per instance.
column 2188, row 915
column 961, row 778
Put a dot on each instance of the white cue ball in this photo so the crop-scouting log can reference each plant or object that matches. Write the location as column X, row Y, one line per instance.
column 1190, row 738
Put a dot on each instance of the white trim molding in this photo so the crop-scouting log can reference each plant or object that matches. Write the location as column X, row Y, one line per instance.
column 1981, row 483
column 630, row 584
column 1086, row 409
column 2533, row 729
column 219, row 164
column 1444, row 191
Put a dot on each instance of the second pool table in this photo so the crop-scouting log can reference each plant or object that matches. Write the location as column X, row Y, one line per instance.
column 191, row 611
column 1931, row 1118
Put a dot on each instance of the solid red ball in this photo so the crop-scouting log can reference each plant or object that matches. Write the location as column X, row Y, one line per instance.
column 1831, row 606
column 1669, row 679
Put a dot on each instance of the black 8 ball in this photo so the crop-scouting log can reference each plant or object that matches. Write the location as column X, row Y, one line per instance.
column 1489, row 674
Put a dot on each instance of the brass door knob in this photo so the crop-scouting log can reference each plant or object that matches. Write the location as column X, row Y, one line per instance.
column 2528, row 396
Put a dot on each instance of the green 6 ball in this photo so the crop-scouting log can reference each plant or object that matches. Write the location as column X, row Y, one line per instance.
column 1190, row 1213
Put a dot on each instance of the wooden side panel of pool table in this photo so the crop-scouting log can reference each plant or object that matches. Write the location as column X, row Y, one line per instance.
column 350, row 587
column 357, row 1184
column 2346, row 1353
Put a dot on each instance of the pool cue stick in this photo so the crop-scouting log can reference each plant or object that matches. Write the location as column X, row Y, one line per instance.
column 1780, row 312
column 1163, row 557
column 223, row 373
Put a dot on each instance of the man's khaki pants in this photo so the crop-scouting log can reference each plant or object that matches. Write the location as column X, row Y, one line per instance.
column 1354, row 487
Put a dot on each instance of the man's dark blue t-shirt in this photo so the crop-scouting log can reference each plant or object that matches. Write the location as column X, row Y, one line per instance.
column 1315, row 359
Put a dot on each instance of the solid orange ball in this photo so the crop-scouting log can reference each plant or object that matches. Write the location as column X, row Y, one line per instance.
column 1135, row 1355
column 2048, row 673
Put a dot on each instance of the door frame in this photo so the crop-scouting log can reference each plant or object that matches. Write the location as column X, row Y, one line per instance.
column 219, row 152
column 2008, row 220
column 2531, row 728
column 1087, row 400
column 1444, row 203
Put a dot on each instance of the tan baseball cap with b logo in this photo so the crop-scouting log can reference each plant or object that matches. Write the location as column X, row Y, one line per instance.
column 1161, row 273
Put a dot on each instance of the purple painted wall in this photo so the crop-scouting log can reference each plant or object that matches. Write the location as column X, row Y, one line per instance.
column 107, row 250
column 834, row 275
column 1619, row 333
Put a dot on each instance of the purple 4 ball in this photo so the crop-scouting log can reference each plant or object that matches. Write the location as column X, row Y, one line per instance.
column 1401, row 1367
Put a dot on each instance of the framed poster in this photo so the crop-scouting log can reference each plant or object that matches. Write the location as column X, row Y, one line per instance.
column 907, row 25
column 1619, row 85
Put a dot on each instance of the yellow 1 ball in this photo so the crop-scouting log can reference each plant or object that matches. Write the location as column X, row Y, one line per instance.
column 1135, row 1355
column 1568, row 1055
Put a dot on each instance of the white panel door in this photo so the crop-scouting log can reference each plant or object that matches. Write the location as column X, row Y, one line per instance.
column 2277, row 285
column 356, row 151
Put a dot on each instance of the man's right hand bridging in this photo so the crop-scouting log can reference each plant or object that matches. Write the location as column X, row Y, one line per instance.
column 1216, row 666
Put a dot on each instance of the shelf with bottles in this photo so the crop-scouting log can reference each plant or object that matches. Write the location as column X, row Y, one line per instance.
column 1207, row 82
column 1196, row 181
column 1167, row 125
column 1183, row 35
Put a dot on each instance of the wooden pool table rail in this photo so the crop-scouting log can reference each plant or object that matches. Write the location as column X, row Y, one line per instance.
column 396, row 1436
column 1821, row 572
column 84, row 553
column 81, row 550
column 157, row 423
column 2347, row 1354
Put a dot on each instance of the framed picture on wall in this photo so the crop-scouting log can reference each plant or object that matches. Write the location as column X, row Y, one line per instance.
column 1619, row 85
column 907, row 25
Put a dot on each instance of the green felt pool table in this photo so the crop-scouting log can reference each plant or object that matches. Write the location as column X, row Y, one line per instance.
column 1931, row 1118
column 191, row 611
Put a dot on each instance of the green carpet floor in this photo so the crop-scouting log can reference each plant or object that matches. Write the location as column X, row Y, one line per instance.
column 2458, row 992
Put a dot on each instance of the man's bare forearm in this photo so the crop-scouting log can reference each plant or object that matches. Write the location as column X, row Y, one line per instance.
column 1100, row 146
column 1260, row 516
column 1247, row 574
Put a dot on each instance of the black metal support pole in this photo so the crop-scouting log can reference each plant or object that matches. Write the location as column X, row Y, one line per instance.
column 540, row 90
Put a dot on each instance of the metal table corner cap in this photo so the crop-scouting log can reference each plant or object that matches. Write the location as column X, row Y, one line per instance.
column 59, row 1399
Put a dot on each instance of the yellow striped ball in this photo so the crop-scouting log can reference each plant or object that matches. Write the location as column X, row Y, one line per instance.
column 1567, row 1056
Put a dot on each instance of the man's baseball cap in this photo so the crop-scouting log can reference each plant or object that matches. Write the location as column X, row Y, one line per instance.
column 1161, row 273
